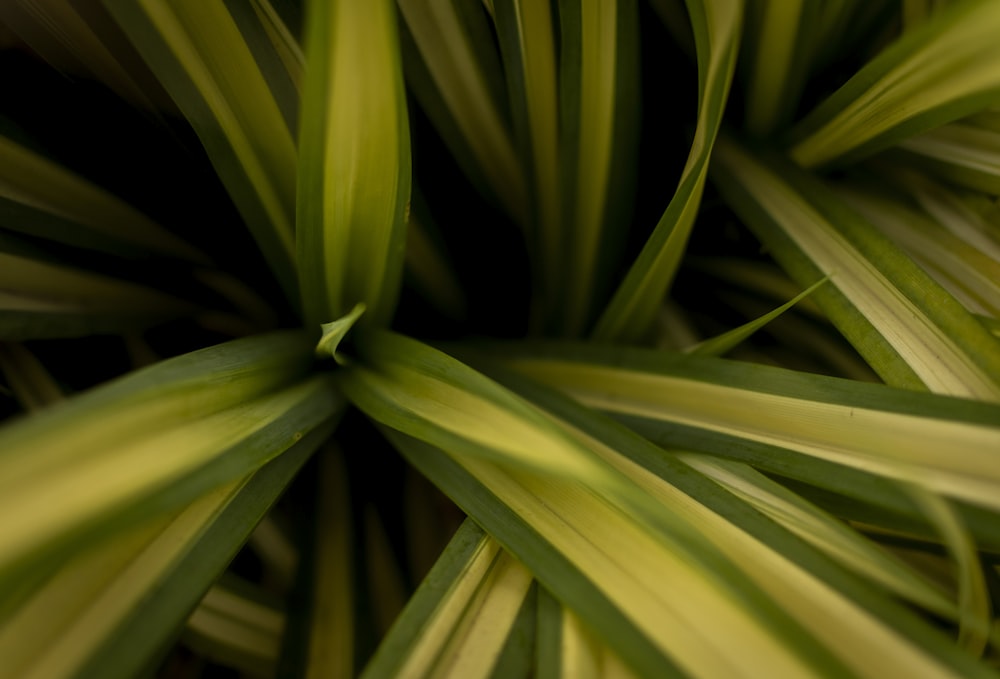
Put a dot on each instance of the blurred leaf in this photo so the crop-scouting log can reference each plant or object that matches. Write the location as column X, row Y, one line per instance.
column 566, row 649
column 196, row 49
column 331, row 634
column 111, row 607
column 461, row 618
column 222, row 412
column 276, row 52
column 961, row 154
column 80, row 37
column 31, row 383
column 456, row 76
column 779, row 50
column 235, row 629
column 527, row 37
column 937, row 72
column 427, row 263
column 38, row 197
column 42, row 300
column 974, row 606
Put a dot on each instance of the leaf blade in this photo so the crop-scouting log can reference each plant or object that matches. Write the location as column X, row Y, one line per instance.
column 354, row 171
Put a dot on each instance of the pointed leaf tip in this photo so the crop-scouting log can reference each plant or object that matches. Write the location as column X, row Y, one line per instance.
column 335, row 331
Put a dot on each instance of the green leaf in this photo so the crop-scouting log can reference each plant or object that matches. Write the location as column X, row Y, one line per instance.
column 276, row 52
column 961, row 154
column 908, row 328
column 973, row 599
column 199, row 54
column 962, row 267
column 633, row 307
column 677, row 591
column 937, row 72
column 528, row 46
column 44, row 300
column 112, row 606
column 457, row 78
column 780, row 49
column 334, row 332
column 354, row 175
column 608, row 578
column 222, row 413
column 425, row 393
column 38, row 197
column 644, row 536
column 783, row 421
column 462, row 617
column 598, row 81
column 824, row 532
column 720, row 344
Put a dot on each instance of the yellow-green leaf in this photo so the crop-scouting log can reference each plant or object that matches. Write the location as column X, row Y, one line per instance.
column 354, row 168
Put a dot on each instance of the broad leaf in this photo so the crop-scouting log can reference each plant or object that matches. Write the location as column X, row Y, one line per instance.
column 786, row 422
column 354, row 166
column 221, row 412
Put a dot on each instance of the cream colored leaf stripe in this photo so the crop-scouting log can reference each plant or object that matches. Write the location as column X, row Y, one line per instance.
column 110, row 605
column 666, row 612
column 955, row 456
column 639, row 543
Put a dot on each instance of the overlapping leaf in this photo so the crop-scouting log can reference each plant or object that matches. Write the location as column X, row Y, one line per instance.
column 586, row 507
column 198, row 53
column 906, row 326
column 941, row 70
column 628, row 316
